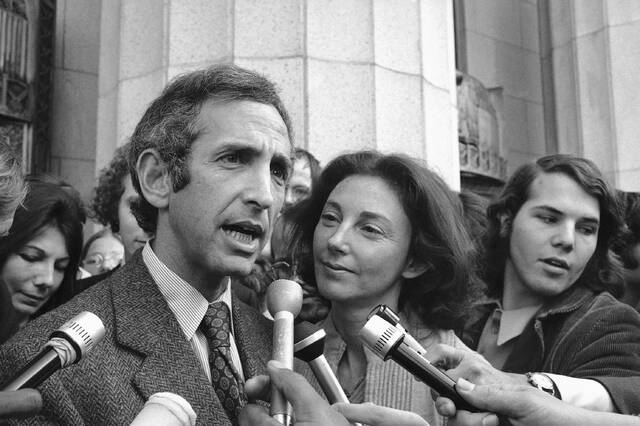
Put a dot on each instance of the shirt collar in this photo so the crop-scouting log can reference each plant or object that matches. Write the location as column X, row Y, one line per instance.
column 187, row 304
column 513, row 322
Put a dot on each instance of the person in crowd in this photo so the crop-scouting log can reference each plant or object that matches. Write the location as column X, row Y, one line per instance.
column 382, row 229
column 629, row 249
column 306, row 171
column 551, row 275
column 39, row 256
column 111, row 204
column 211, row 157
column 102, row 252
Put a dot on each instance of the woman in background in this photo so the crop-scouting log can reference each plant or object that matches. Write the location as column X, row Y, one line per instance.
column 40, row 255
column 382, row 229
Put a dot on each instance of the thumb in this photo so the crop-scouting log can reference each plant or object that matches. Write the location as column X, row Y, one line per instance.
column 295, row 388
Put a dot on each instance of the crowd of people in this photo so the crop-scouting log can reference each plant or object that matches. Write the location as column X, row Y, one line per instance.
column 528, row 301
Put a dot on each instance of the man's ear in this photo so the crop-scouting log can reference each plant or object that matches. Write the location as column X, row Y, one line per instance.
column 155, row 181
column 505, row 224
column 415, row 268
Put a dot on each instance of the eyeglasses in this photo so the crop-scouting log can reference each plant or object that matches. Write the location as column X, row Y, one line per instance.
column 97, row 260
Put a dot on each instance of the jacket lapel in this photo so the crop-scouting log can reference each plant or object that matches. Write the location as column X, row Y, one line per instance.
column 145, row 324
column 253, row 335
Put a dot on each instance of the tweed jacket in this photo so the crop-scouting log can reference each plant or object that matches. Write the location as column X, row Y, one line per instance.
column 580, row 334
column 144, row 351
column 387, row 383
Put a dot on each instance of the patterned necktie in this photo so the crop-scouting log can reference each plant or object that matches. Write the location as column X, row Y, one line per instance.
column 224, row 377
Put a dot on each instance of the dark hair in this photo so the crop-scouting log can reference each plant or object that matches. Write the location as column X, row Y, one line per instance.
column 170, row 123
column 106, row 198
column 441, row 295
column 474, row 207
column 12, row 187
column 631, row 204
column 47, row 204
column 603, row 271
column 314, row 164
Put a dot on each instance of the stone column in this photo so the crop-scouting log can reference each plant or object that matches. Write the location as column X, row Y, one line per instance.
column 596, row 51
column 353, row 73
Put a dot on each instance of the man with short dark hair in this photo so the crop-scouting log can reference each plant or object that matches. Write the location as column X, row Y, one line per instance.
column 211, row 159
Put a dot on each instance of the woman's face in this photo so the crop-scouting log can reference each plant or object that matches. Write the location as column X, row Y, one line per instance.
column 34, row 272
column 104, row 254
column 361, row 243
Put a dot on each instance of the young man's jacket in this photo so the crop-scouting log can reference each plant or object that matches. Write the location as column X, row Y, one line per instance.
column 144, row 351
column 580, row 334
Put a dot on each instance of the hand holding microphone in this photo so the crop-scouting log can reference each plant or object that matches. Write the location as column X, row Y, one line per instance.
column 66, row 346
column 284, row 301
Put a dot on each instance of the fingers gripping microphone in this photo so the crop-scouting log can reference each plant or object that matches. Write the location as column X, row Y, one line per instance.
column 66, row 346
column 284, row 301
column 387, row 341
column 309, row 347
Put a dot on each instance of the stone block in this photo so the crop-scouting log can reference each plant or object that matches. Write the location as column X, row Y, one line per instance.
column 529, row 26
column 142, row 43
column 109, row 57
column 564, row 88
column 399, row 126
column 622, row 11
column 511, row 70
column 268, row 28
column 482, row 59
column 438, row 47
column 288, row 76
column 628, row 180
column 441, row 133
column 73, row 122
column 200, row 31
column 514, row 123
column 532, row 73
column 79, row 173
column 107, row 129
column 588, row 17
column 497, row 19
column 561, row 17
column 134, row 97
column 516, row 159
column 58, row 42
column 82, row 35
column 341, row 108
column 397, row 39
column 340, row 30
column 535, row 128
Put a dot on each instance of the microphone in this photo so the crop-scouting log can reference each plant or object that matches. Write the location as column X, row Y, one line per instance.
column 387, row 341
column 166, row 409
column 309, row 347
column 387, row 314
column 66, row 346
column 284, row 301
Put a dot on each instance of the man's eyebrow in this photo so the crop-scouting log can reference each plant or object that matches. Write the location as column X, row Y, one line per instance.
column 555, row 211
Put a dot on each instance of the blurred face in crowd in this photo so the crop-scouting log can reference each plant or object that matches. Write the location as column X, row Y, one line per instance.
column 104, row 254
column 553, row 236
column 133, row 237
column 238, row 167
column 36, row 270
column 361, row 243
column 5, row 225
column 299, row 186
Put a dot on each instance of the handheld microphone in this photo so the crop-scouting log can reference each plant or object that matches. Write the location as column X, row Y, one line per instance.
column 387, row 341
column 284, row 301
column 387, row 314
column 66, row 346
column 309, row 347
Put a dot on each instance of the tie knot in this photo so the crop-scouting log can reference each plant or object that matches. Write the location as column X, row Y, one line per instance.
column 215, row 324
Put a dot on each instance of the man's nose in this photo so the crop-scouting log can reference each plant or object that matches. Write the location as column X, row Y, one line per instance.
column 260, row 191
column 564, row 236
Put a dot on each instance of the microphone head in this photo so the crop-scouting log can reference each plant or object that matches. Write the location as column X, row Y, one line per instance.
column 83, row 331
column 309, row 341
column 380, row 336
column 284, row 295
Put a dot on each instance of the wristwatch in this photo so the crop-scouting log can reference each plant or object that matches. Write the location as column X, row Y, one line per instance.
column 544, row 383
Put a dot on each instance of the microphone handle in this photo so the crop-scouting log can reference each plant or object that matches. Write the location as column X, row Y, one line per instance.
column 328, row 381
column 431, row 375
column 283, row 352
column 37, row 371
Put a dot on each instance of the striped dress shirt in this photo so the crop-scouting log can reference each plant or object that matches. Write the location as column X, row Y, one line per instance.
column 189, row 306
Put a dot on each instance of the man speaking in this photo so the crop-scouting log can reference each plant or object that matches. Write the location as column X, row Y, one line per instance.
column 210, row 159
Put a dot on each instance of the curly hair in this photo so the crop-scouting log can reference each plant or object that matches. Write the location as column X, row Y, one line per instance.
column 104, row 205
column 603, row 271
column 631, row 203
column 441, row 295
column 170, row 124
